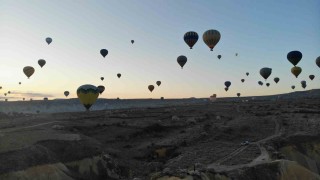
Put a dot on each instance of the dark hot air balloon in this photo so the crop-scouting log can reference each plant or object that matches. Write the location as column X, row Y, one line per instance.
column 158, row 83
column 48, row 40
column 265, row 72
column 41, row 62
column 182, row 60
column 119, row 75
column 219, row 56
column 227, row 84
column 311, row 77
column 28, row 71
column 276, row 79
column 191, row 38
column 104, row 52
column 101, row 89
column 150, row 87
column 294, row 57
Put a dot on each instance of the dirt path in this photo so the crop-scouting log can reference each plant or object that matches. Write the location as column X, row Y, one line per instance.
column 263, row 158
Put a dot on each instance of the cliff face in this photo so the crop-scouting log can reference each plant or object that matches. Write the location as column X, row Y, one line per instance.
column 305, row 151
column 276, row 170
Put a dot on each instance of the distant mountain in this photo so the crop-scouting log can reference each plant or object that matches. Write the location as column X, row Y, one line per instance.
column 74, row 105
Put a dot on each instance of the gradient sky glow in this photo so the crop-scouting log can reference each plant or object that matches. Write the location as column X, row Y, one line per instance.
column 261, row 32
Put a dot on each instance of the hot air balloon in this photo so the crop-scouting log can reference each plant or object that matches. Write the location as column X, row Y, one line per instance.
column 45, row 99
column 294, row 57
column 227, row 84
column 311, row 77
column 150, row 87
column 0, row 87
column 236, row 54
column 101, row 89
column 102, row 78
column 219, row 56
column 226, row 89
column 242, row 80
column 276, row 79
column 48, row 40
column 9, row 92
column 191, row 38
column 19, row 82
column 303, row 84
column 213, row 98
column 292, row 87
column 132, row 41
column 182, row 60
column 119, row 75
column 318, row 61
column 162, row 98
column 87, row 95
column 268, row 84
column 260, row 83
column 238, row 94
column 265, row 72
column 296, row 70
column 66, row 93
column 28, row 71
column 211, row 38
column 104, row 52
column 158, row 83
column 247, row 73
column 41, row 62
column 5, row 94
column 23, row 99
column 6, row 99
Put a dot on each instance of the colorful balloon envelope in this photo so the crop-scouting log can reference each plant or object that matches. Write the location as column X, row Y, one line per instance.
column 211, row 38
column 296, row 70
column 191, row 38
column 28, row 71
column 87, row 95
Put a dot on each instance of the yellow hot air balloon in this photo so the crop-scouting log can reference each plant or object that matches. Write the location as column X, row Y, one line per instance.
column 87, row 95
column 211, row 38
column 28, row 71
column 296, row 71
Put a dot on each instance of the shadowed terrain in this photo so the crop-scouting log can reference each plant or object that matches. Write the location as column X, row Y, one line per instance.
column 200, row 140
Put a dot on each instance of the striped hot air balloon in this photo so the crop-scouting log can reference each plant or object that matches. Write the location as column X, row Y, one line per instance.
column 87, row 95
column 191, row 38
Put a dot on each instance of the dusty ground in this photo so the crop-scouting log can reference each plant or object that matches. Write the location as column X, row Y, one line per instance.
column 148, row 140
